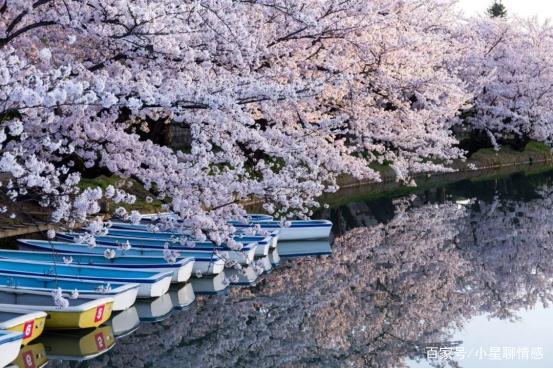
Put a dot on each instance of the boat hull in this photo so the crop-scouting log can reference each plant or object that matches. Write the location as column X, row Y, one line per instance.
column 300, row 233
column 151, row 283
column 89, row 318
column 87, row 315
column 10, row 344
column 242, row 257
column 208, row 267
column 30, row 325
column 155, row 289
column 205, row 262
column 38, row 327
column 121, row 300
column 181, row 269
column 262, row 248
column 297, row 231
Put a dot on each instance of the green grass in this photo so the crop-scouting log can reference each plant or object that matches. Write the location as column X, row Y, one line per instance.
column 102, row 181
column 540, row 147
column 136, row 189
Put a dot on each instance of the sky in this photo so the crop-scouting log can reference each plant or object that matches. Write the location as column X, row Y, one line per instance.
column 523, row 8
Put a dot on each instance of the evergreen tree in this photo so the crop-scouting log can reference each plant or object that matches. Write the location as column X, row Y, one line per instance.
column 497, row 9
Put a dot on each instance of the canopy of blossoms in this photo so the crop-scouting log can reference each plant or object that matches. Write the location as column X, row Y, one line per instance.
column 280, row 97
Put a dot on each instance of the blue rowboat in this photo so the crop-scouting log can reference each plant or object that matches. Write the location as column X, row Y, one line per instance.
column 244, row 256
column 10, row 343
column 296, row 231
column 259, row 217
column 291, row 249
column 205, row 262
column 168, row 215
column 181, row 269
column 152, row 284
column 123, row 294
column 240, row 233
column 174, row 239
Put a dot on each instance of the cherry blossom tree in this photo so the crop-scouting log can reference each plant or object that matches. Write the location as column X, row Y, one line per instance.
column 511, row 75
column 279, row 98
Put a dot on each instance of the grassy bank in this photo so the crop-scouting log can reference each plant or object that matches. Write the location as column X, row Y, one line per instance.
column 489, row 164
column 131, row 186
column 482, row 160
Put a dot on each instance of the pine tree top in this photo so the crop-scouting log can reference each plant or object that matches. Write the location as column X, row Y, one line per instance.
column 497, row 9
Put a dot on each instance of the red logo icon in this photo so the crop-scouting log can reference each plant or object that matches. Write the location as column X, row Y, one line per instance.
column 28, row 329
column 99, row 313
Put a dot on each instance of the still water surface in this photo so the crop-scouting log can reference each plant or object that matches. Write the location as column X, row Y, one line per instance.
column 460, row 275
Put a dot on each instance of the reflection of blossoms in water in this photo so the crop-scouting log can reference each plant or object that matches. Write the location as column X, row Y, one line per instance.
column 388, row 291
column 510, row 247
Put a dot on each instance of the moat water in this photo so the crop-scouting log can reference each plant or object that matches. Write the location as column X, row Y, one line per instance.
column 458, row 275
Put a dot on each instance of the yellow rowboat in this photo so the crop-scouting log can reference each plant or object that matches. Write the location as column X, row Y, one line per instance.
column 30, row 324
column 32, row 356
column 78, row 345
column 81, row 312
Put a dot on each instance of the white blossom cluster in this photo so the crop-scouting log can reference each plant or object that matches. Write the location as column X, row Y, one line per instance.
column 280, row 98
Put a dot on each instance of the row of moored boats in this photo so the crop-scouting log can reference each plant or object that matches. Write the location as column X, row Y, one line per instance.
column 77, row 281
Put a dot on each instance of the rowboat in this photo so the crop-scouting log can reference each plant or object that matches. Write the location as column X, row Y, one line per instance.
column 78, row 345
column 259, row 217
column 30, row 324
column 205, row 262
column 295, row 231
column 124, row 323
column 10, row 342
column 181, row 269
column 243, row 256
column 151, row 284
column 304, row 248
column 169, row 215
column 81, row 312
column 32, row 356
column 175, row 239
column 123, row 294
column 241, row 232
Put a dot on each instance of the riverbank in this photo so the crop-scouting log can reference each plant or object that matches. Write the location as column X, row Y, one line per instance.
column 483, row 164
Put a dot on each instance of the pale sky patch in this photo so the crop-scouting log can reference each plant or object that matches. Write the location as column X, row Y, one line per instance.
column 522, row 8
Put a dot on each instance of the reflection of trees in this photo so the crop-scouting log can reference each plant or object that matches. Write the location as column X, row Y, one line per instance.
column 510, row 247
column 388, row 291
